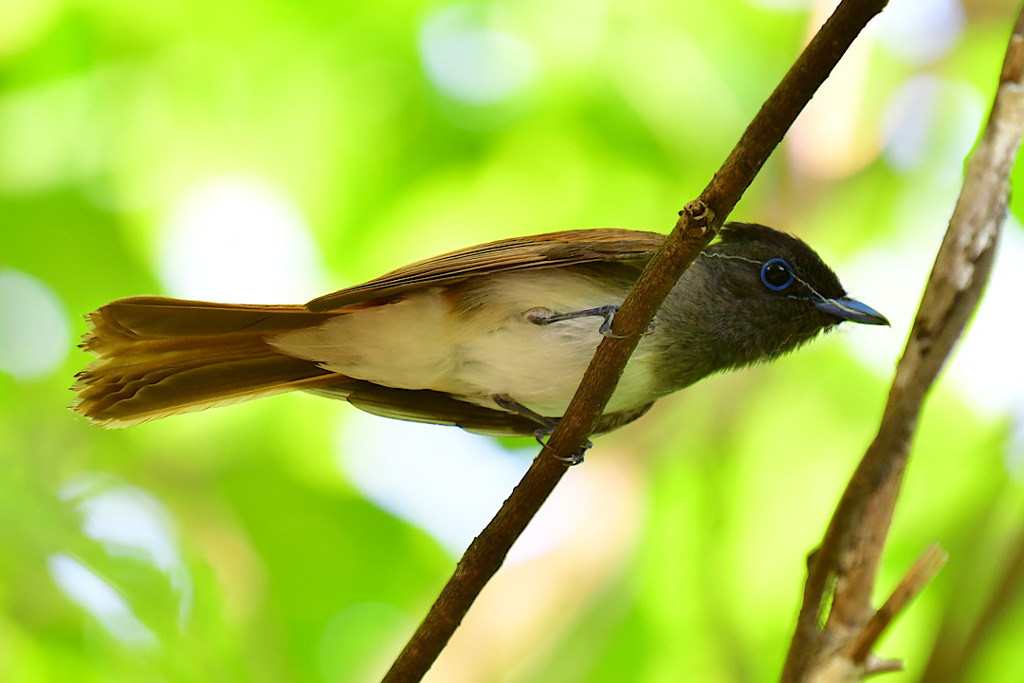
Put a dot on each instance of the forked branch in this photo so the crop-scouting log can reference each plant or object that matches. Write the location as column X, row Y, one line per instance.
column 850, row 552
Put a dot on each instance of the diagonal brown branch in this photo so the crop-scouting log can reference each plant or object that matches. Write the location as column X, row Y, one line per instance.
column 853, row 543
column 697, row 225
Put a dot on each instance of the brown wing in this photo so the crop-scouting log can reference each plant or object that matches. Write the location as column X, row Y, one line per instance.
column 571, row 247
column 438, row 408
column 426, row 406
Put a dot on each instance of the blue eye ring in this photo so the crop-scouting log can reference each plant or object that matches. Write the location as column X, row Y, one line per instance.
column 776, row 274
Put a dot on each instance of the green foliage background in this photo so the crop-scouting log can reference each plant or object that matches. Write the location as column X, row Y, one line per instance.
column 691, row 527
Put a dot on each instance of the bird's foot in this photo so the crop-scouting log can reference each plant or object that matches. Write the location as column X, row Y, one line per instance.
column 576, row 458
column 547, row 426
column 543, row 316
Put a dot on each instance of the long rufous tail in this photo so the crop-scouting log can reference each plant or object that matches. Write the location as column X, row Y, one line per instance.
column 158, row 356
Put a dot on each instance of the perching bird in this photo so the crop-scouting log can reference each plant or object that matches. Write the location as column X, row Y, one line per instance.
column 494, row 338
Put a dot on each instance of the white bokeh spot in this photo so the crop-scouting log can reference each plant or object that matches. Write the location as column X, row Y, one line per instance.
column 34, row 331
column 239, row 240
column 470, row 59
column 99, row 598
column 449, row 482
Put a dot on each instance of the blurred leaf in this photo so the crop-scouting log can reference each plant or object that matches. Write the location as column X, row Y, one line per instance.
column 112, row 115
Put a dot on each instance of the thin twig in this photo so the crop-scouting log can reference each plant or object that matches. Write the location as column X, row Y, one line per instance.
column 854, row 660
column 853, row 543
column 697, row 225
column 926, row 567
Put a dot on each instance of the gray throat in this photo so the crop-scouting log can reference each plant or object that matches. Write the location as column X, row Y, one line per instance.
column 710, row 323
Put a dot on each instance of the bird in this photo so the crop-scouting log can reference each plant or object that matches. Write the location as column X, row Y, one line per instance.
column 493, row 338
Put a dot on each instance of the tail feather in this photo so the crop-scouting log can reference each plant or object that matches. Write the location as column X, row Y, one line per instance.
column 158, row 357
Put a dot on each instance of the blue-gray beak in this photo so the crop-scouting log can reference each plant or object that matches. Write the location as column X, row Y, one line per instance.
column 852, row 310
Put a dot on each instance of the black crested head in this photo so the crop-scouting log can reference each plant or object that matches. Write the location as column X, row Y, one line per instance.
column 751, row 296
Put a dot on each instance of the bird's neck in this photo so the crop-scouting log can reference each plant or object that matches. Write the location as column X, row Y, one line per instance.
column 702, row 328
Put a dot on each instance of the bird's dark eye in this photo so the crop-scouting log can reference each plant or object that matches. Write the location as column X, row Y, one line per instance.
column 776, row 274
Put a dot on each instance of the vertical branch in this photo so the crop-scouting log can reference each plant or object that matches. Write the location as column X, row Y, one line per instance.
column 853, row 543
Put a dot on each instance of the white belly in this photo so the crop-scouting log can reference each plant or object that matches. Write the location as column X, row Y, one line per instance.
column 422, row 343
column 540, row 366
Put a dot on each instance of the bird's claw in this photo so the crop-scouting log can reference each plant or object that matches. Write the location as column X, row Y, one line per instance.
column 575, row 459
column 606, row 326
column 544, row 316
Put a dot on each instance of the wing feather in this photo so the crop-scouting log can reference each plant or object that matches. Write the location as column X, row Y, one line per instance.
column 571, row 247
column 421, row 405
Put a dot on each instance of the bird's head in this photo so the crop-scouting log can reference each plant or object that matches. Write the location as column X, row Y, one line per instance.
column 757, row 293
